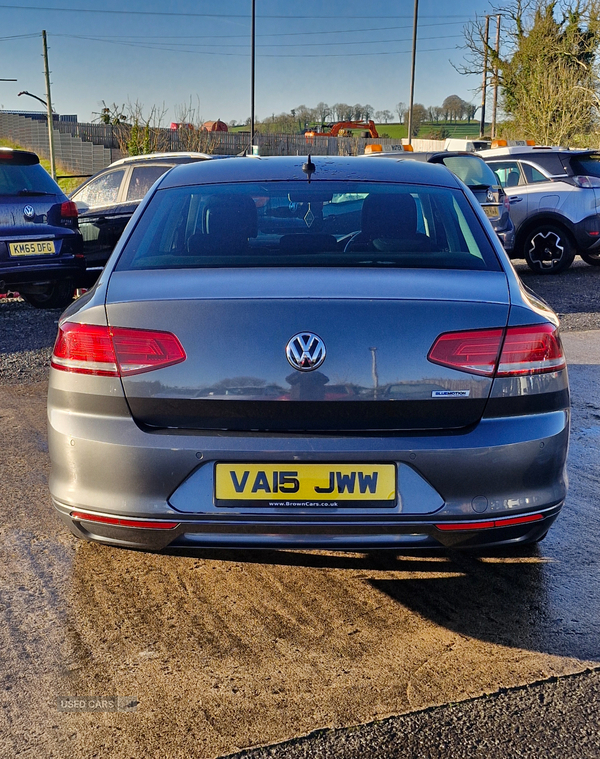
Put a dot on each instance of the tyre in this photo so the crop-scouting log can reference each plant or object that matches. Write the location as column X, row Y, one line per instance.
column 591, row 257
column 548, row 249
column 53, row 295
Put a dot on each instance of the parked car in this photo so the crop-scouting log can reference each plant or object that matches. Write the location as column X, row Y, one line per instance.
column 40, row 244
column 456, row 430
column 482, row 182
column 107, row 200
column 554, row 195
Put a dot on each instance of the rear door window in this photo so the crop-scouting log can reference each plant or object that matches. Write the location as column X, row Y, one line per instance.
column 142, row 179
column 533, row 175
column 296, row 224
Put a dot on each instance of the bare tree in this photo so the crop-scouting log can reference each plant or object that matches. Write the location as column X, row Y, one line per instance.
column 401, row 111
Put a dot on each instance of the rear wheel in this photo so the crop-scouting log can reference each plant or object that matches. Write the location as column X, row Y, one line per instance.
column 591, row 257
column 548, row 249
column 52, row 295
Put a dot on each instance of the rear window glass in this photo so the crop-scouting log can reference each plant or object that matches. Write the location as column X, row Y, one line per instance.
column 473, row 171
column 142, row 179
column 588, row 165
column 18, row 179
column 301, row 224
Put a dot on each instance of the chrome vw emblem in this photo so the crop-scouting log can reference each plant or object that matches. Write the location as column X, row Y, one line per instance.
column 305, row 351
column 490, row 196
column 29, row 212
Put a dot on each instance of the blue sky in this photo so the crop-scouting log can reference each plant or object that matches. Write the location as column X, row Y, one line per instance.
column 338, row 51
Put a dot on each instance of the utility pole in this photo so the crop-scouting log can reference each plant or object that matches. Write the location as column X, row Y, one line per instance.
column 484, row 85
column 412, row 73
column 495, row 106
column 49, row 107
column 253, row 64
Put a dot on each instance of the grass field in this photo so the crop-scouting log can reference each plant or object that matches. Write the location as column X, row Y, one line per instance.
column 66, row 185
column 398, row 131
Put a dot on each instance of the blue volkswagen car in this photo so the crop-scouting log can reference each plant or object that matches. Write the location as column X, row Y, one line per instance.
column 310, row 353
column 41, row 249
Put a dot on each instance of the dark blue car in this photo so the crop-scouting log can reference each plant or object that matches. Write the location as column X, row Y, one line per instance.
column 41, row 250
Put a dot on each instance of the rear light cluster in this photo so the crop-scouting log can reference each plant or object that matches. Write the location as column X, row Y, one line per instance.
column 68, row 210
column 582, row 180
column 511, row 352
column 114, row 351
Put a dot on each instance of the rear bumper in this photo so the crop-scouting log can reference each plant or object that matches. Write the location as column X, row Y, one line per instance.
column 105, row 466
column 312, row 533
column 40, row 273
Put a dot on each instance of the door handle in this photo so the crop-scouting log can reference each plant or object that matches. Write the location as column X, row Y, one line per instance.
column 515, row 199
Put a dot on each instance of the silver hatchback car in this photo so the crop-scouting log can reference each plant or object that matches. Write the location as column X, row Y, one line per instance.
column 329, row 354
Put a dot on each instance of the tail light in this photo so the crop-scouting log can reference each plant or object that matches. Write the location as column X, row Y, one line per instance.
column 521, row 350
column 588, row 182
column 114, row 351
column 68, row 210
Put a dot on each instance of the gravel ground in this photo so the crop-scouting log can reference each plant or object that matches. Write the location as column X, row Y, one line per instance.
column 27, row 334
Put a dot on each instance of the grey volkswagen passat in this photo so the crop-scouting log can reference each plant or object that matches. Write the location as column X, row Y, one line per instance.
column 326, row 353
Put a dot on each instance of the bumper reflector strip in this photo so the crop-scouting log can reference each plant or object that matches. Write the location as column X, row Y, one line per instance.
column 491, row 523
column 119, row 522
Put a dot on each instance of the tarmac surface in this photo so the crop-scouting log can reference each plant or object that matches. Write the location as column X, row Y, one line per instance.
column 110, row 652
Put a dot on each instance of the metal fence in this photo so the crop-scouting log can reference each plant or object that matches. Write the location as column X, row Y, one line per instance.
column 87, row 148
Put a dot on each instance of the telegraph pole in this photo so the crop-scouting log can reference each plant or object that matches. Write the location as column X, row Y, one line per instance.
column 495, row 106
column 49, row 107
column 484, row 85
column 412, row 74
column 253, row 65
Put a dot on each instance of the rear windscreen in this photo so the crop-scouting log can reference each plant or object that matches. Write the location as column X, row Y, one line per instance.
column 300, row 224
column 17, row 178
column 587, row 165
column 473, row 171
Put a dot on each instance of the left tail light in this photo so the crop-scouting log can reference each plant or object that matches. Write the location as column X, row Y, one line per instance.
column 68, row 210
column 114, row 351
column 513, row 352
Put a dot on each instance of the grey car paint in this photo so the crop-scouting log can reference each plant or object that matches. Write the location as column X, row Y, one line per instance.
column 110, row 458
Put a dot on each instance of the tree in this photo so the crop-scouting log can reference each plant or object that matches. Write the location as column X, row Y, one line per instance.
column 418, row 117
column 111, row 114
column 454, row 107
column 323, row 111
column 546, row 68
column 401, row 111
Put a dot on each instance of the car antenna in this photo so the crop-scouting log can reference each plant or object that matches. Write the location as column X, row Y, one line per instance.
column 309, row 168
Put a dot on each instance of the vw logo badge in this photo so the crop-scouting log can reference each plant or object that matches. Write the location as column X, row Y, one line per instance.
column 29, row 212
column 490, row 196
column 305, row 351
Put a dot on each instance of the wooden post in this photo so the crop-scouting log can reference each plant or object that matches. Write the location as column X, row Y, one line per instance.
column 49, row 107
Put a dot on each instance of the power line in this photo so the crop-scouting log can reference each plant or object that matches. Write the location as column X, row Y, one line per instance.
column 181, row 47
column 105, row 11
column 244, row 55
column 273, row 34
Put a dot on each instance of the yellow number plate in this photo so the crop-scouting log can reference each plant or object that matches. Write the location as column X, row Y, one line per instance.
column 38, row 248
column 491, row 212
column 305, row 484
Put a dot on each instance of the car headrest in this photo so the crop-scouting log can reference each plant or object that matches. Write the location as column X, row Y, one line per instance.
column 387, row 215
column 231, row 216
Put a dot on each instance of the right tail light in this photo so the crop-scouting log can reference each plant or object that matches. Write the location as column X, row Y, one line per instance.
column 510, row 352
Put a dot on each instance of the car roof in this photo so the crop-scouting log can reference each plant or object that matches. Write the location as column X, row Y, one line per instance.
column 174, row 156
column 327, row 168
